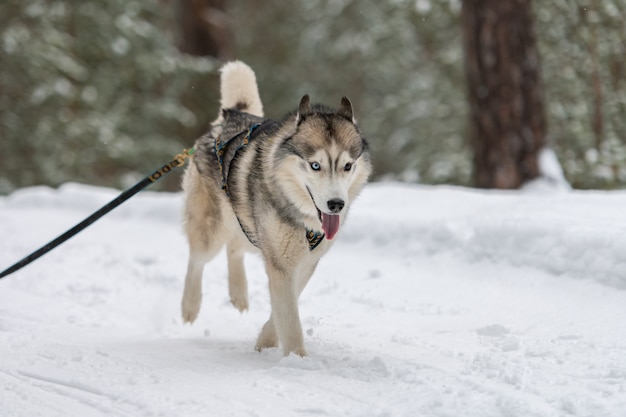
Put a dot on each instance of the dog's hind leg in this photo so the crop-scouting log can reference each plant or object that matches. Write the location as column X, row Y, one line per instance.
column 201, row 250
column 205, row 234
column 192, row 294
column 237, row 281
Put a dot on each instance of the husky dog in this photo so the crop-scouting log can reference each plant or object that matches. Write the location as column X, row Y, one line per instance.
column 281, row 188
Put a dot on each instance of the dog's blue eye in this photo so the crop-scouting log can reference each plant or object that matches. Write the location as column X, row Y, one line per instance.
column 348, row 167
column 315, row 166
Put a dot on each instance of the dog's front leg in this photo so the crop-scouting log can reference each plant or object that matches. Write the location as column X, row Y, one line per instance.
column 285, row 315
column 268, row 338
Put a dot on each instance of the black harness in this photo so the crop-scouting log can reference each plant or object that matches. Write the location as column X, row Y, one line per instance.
column 226, row 153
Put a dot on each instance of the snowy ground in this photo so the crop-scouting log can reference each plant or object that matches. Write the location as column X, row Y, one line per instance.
column 435, row 301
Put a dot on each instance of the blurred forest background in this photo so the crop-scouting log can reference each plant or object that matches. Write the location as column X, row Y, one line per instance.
column 104, row 92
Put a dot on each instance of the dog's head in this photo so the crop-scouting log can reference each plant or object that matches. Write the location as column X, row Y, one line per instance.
column 326, row 164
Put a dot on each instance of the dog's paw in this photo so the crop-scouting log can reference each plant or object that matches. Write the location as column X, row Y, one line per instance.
column 190, row 308
column 240, row 303
column 262, row 345
column 300, row 351
column 268, row 338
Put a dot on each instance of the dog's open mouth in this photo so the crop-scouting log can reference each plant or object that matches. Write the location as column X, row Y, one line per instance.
column 330, row 222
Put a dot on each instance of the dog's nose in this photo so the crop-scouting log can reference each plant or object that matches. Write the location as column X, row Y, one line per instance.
column 335, row 205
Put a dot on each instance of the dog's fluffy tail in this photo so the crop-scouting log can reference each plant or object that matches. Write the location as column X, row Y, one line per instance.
column 239, row 89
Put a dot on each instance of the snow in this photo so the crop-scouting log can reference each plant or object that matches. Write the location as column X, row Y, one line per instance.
column 435, row 301
column 551, row 177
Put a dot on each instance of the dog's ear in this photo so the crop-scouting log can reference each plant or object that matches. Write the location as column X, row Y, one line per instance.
column 346, row 110
column 303, row 108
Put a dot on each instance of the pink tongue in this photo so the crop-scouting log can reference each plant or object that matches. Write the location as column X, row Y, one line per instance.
column 330, row 224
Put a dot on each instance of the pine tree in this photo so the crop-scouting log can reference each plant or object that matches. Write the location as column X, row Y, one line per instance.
column 95, row 92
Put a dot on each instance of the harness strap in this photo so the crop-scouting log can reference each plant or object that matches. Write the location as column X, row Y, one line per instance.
column 220, row 148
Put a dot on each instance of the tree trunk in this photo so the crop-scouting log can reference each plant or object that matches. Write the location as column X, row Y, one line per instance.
column 507, row 119
column 205, row 29
column 597, row 124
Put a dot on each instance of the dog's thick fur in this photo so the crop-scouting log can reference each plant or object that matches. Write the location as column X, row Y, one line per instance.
column 296, row 175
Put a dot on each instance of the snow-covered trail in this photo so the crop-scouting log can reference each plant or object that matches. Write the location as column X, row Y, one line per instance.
column 435, row 301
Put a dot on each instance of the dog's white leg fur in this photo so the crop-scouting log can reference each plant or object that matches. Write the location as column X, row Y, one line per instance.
column 192, row 294
column 306, row 277
column 237, row 281
column 268, row 338
column 204, row 237
column 239, row 89
column 285, row 314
